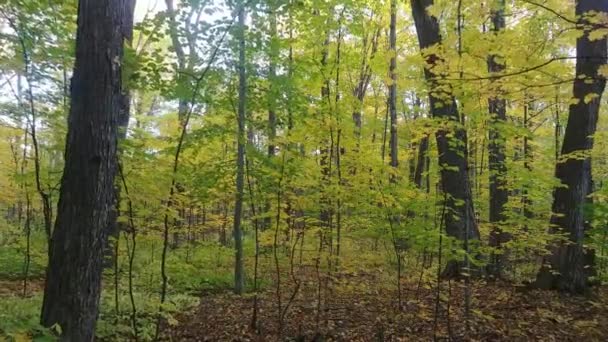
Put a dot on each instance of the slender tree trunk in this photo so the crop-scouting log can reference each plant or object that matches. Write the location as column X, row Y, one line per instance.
column 272, row 98
column 364, row 80
column 272, row 75
column 570, row 264
column 558, row 126
column 394, row 218
column 45, row 197
column 326, row 150
column 421, row 164
column 239, row 276
column 496, row 154
column 460, row 218
column 73, row 283
column 256, row 262
column 182, row 63
column 423, row 148
column 28, row 241
column 132, row 234
column 392, row 100
column 527, row 158
column 185, row 66
column 339, row 148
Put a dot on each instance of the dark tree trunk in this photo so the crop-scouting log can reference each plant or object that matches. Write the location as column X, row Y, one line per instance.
column 273, row 92
column 392, row 100
column 365, row 75
column 422, row 159
column 421, row 163
column 239, row 272
column 272, row 80
column 123, row 123
column 528, row 157
column 185, row 66
column 73, row 283
column 496, row 155
column 460, row 216
column 326, row 151
column 570, row 264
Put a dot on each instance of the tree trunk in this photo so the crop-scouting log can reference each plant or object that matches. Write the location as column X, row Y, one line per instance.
column 460, row 216
column 123, row 124
column 392, row 100
column 570, row 264
column 272, row 79
column 239, row 277
column 273, row 53
column 421, row 164
column 496, row 154
column 364, row 80
column 73, row 283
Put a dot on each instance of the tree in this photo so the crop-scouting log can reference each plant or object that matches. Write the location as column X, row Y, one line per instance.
column 570, row 264
column 184, row 63
column 123, row 124
column 73, row 283
column 392, row 92
column 460, row 216
column 239, row 271
column 496, row 151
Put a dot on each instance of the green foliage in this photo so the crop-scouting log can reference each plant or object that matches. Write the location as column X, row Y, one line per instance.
column 20, row 317
column 13, row 252
column 331, row 60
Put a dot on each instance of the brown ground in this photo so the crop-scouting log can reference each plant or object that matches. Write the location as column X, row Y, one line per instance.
column 15, row 287
column 355, row 311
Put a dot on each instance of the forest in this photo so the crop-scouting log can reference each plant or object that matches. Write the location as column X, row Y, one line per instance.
column 303, row 170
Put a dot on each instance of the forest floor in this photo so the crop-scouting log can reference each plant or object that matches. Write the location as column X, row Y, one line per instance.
column 358, row 303
column 354, row 310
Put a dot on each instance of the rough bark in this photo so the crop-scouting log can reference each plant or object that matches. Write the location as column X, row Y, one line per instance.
column 73, row 283
column 460, row 216
column 570, row 264
column 123, row 123
column 497, row 106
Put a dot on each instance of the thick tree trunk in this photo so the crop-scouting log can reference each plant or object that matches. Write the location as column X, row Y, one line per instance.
column 496, row 155
column 239, row 272
column 73, row 283
column 460, row 216
column 570, row 264
column 123, row 123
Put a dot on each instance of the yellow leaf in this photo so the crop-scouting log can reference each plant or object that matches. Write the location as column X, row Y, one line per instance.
column 19, row 337
column 590, row 97
column 603, row 71
column 598, row 34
